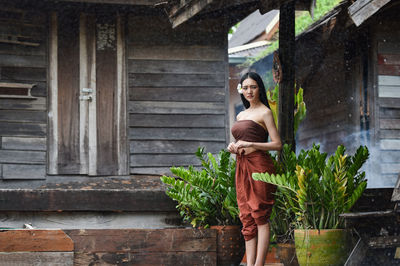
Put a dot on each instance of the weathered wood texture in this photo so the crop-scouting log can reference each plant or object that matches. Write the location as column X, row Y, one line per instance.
column 330, row 113
column 85, row 199
column 23, row 120
column 387, row 57
column 176, row 92
column 36, row 258
column 361, row 10
column 35, row 240
column 143, row 247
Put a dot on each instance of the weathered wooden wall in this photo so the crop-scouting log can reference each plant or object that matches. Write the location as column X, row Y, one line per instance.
column 386, row 58
column 351, row 81
column 321, row 72
column 177, row 90
column 23, row 47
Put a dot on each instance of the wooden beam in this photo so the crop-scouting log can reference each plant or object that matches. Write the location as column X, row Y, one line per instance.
column 286, row 87
column 120, row 2
column 35, row 240
column 361, row 10
column 85, row 199
column 185, row 10
column 267, row 5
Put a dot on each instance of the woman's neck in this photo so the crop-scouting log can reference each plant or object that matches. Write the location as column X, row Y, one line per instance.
column 255, row 105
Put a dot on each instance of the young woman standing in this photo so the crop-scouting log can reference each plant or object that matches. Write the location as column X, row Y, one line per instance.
column 255, row 198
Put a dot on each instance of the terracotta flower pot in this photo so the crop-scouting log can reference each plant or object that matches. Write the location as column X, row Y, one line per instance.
column 230, row 245
column 322, row 247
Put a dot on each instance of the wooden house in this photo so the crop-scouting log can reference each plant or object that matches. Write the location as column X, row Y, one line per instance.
column 97, row 99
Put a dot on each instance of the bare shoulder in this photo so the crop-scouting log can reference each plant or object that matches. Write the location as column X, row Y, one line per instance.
column 238, row 117
column 265, row 111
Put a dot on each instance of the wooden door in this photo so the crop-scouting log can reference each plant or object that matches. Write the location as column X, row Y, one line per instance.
column 87, row 95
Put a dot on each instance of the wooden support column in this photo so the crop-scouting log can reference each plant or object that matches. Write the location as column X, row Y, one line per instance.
column 286, row 88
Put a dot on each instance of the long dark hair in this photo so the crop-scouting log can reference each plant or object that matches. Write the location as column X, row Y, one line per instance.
column 261, row 87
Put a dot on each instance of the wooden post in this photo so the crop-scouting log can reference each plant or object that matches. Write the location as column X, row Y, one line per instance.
column 286, row 87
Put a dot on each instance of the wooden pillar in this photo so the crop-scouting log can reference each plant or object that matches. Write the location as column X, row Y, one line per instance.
column 286, row 88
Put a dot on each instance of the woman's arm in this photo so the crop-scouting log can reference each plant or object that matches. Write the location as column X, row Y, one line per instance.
column 275, row 143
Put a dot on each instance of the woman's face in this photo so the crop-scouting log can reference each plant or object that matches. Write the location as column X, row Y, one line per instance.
column 250, row 90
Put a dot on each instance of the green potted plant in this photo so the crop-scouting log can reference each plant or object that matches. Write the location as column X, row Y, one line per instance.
column 318, row 189
column 206, row 197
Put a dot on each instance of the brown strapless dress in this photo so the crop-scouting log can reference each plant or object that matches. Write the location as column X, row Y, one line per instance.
column 255, row 198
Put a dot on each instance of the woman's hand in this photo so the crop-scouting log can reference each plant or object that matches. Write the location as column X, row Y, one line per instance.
column 232, row 147
column 243, row 144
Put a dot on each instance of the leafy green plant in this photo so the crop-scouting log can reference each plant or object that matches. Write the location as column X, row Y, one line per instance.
column 316, row 189
column 207, row 196
column 300, row 107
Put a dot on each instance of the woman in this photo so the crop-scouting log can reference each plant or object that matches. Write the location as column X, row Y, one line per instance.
column 255, row 198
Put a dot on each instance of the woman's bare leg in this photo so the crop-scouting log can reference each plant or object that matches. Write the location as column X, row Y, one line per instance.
column 263, row 244
column 251, row 249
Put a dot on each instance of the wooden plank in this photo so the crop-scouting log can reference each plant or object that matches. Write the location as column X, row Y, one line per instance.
column 389, row 59
column 203, row 121
column 18, row 104
column 37, row 258
column 176, row 52
column 11, row 49
column 86, row 199
column 35, row 240
column 169, row 107
column 389, row 91
column 356, row 215
column 384, row 242
column 144, row 240
column 53, row 96
column 22, row 129
column 176, row 80
column 389, row 123
column 164, row 160
column 20, row 74
column 199, row 134
column 175, row 66
column 361, row 10
column 23, row 172
column 389, row 102
column 181, row 94
column 122, row 127
column 150, row 170
column 173, row 147
column 390, row 70
column 390, row 144
column 144, row 259
column 388, row 80
column 28, row 157
column 389, row 134
column 92, row 83
column 106, row 95
column 390, row 168
column 388, row 156
column 23, row 116
column 123, row 2
column 68, row 93
column 18, row 143
column 84, row 82
column 389, row 112
column 388, row 48
column 180, row 13
column 33, row 61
